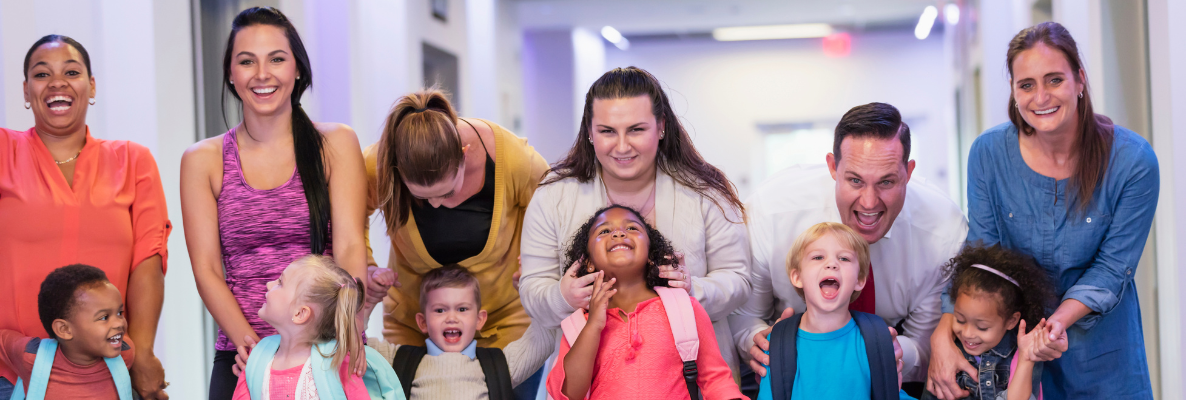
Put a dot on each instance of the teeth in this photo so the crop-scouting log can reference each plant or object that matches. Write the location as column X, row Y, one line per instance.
column 869, row 214
column 59, row 98
column 264, row 90
column 1046, row 111
column 619, row 247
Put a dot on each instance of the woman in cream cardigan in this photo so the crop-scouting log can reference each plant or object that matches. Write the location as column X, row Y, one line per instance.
column 646, row 162
column 452, row 191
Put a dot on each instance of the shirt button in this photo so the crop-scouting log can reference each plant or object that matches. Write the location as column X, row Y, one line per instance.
column 989, row 363
column 1089, row 220
column 1010, row 215
column 1128, row 271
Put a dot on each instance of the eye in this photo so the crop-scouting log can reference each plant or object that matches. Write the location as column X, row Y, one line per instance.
column 604, row 231
column 886, row 183
column 104, row 317
column 818, row 258
column 632, row 228
column 73, row 73
column 856, row 181
column 439, row 310
column 40, row 75
column 245, row 62
column 1056, row 80
column 277, row 59
column 844, row 258
column 462, row 309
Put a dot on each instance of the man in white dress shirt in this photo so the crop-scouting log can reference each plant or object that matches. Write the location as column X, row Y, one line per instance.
column 913, row 228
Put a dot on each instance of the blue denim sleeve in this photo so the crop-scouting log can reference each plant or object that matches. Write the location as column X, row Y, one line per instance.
column 1100, row 287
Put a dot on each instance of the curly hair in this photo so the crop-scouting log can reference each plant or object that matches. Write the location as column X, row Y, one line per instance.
column 57, row 296
column 1034, row 296
column 660, row 248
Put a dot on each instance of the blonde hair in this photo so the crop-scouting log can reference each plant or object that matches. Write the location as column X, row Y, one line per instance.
column 843, row 234
column 449, row 276
column 420, row 144
column 337, row 297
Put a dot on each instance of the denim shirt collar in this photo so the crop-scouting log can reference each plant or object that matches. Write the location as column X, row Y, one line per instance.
column 433, row 350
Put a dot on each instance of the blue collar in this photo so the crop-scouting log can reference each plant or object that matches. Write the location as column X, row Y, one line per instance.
column 433, row 350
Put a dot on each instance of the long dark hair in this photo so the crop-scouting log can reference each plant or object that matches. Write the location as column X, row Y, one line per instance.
column 420, row 144
column 677, row 157
column 308, row 142
column 87, row 60
column 1095, row 130
column 1034, row 296
column 660, row 249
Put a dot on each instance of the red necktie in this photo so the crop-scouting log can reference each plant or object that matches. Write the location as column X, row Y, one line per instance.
column 866, row 298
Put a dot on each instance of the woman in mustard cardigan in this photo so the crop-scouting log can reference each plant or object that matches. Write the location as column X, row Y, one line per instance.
column 452, row 190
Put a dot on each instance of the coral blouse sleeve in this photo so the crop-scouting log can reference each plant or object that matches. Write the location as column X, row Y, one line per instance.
column 715, row 380
column 557, row 375
column 149, row 211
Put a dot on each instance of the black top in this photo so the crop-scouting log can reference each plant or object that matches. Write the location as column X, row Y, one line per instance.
column 455, row 234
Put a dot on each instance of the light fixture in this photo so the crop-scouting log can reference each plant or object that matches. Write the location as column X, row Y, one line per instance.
column 925, row 24
column 951, row 11
column 767, row 32
column 613, row 36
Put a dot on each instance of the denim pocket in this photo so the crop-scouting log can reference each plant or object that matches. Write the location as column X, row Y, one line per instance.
column 1083, row 236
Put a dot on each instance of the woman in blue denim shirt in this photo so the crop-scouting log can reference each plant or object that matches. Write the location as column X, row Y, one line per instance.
column 1077, row 193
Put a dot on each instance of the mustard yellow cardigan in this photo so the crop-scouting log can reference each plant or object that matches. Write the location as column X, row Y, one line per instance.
column 519, row 169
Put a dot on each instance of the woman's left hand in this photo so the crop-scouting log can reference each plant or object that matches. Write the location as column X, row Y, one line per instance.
column 678, row 277
column 148, row 377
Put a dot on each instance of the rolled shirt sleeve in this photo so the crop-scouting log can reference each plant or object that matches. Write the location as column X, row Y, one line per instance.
column 151, row 227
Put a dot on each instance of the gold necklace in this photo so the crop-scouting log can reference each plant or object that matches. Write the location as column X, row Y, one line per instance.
column 69, row 159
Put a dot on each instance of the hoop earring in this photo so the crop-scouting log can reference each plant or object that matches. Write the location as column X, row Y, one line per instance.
column 92, row 101
column 28, row 105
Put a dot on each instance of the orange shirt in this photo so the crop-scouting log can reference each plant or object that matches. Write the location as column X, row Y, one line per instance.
column 113, row 218
column 68, row 380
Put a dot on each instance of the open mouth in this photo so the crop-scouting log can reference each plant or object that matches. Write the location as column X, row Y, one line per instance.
column 829, row 288
column 115, row 340
column 1045, row 112
column 452, row 335
column 60, row 103
column 618, row 247
column 970, row 345
column 868, row 220
column 264, row 91
column 624, row 160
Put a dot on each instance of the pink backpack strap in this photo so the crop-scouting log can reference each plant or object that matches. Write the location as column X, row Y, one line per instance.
column 573, row 325
column 682, row 318
column 1012, row 368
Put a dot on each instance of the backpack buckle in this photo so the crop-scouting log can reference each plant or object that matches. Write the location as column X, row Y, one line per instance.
column 690, row 371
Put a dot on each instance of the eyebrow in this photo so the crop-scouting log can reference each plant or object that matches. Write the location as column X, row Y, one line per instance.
column 890, row 175
column 70, row 61
column 247, row 53
column 1044, row 76
column 631, row 126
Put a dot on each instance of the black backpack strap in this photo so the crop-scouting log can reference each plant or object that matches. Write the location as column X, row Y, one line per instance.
column 495, row 373
column 405, row 364
column 783, row 357
column 881, row 357
column 690, row 374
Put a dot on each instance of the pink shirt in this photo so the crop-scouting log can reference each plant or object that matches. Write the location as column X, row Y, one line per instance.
column 283, row 383
column 637, row 359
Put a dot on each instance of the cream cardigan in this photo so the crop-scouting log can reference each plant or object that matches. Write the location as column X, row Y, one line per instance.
column 717, row 251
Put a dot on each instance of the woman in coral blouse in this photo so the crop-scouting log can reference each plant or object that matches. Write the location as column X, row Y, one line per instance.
column 67, row 197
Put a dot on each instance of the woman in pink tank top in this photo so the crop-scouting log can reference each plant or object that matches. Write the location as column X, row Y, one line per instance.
column 274, row 188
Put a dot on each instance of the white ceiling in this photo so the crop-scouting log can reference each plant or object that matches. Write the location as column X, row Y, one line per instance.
column 639, row 17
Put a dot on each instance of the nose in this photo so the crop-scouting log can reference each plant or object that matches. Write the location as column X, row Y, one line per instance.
column 1042, row 95
column 261, row 73
column 831, row 263
column 435, row 202
column 618, row 233
column 623, row 144
column 869, row 198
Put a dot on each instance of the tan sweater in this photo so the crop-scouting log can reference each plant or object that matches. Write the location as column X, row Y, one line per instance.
column 455, row 376
column 518, row 170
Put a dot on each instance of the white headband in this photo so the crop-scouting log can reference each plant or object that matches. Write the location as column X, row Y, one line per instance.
column 998, row 273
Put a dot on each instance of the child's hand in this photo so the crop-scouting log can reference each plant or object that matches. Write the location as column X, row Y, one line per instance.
column 575, row 290
column 379, row 280
column 1040, row 347
column 601, row 293
column 1027, row 341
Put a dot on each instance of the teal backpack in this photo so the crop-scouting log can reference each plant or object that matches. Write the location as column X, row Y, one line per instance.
column 44, row 362
column 380, row 379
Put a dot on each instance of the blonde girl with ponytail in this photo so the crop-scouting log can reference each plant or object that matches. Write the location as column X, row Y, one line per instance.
column 313, row 306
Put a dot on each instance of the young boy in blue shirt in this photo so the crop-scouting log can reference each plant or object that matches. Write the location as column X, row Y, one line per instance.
column 828, row 352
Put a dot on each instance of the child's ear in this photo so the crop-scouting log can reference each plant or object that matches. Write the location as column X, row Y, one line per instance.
column 421, row 323
column 482, row 320
column 302, row 315
column 62, row 329
column 794, row 276
column 1013, row 321
column 862, row 282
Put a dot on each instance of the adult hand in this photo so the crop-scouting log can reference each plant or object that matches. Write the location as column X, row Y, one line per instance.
column 244, row 354
column 677, row 276
column 576, row 290
column 758, row 356
column 379, row 280
column 945, row 362
column 899, row 356
column 1050, row 342
column 147, row 377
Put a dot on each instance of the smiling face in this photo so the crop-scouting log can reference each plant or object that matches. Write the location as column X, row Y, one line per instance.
column 618, row 244
column 263, row 69
column 96, row 323
column 57, row 87
column 451, row 317
column 625, row 135
column 978, row 324
column 870, row 183
column 1046, row 90
column 439, row 193
column 829, row 271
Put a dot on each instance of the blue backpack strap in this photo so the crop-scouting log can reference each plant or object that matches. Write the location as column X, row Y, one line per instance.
column 259, row 361
column 40, row 376
column 881, row 357
column 382, row 382
column 325, row 371
column 120, row 375
column 783, row 357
